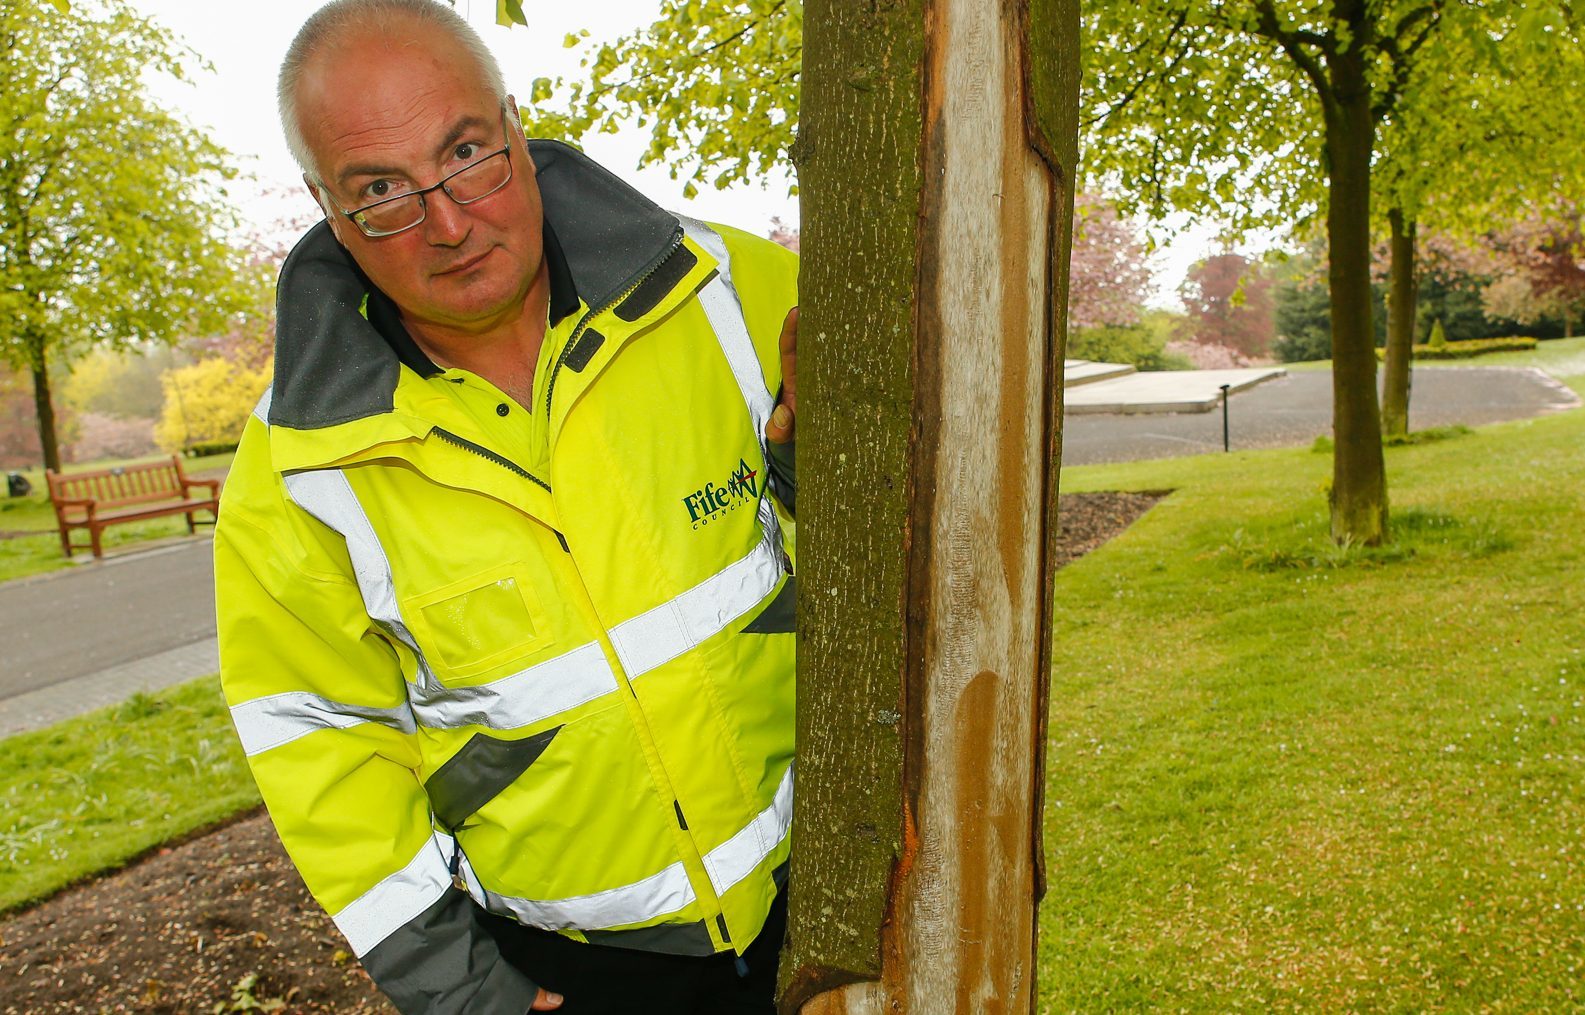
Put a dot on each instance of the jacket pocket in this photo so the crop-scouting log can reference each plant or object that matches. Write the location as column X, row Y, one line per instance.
column 470, row 627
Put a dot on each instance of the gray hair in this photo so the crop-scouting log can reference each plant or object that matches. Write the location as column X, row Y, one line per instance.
column 325, row 25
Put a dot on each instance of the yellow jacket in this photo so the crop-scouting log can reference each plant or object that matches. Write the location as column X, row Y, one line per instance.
column 542, row 653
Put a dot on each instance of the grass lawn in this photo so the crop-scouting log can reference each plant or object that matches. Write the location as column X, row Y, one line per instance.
column 1282, row 776
column 1560, row 357
column 1285, row 777
column 90, row 793
column 32, row 554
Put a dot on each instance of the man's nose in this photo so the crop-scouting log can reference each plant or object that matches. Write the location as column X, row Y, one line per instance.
column 446, row 223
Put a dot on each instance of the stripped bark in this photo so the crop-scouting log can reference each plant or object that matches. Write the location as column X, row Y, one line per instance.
column 936, row 163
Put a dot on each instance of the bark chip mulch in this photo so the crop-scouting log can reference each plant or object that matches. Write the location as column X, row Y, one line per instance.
column 176, row 932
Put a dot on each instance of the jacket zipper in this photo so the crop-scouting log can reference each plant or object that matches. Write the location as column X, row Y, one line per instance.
column 583, row 322
column 486, row 453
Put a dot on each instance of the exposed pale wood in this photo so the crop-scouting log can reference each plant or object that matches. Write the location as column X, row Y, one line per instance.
column 936, row 591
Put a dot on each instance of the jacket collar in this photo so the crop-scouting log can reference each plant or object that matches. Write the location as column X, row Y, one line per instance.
column 335, row 365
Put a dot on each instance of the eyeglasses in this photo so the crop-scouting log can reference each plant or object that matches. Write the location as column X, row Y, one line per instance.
column 473, row 182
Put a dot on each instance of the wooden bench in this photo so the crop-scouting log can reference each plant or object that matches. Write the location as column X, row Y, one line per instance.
column 131, row 493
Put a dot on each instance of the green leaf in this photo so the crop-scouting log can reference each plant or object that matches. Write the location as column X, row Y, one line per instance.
column 509, row 13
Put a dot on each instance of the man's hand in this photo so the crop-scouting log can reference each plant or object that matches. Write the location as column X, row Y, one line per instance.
column 780, row 427
column 545, row 1001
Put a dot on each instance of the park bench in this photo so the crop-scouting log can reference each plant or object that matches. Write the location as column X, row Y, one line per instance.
column 127, row 493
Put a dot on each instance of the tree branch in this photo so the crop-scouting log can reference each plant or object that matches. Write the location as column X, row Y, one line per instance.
column 1144, row 79
column 1293, row 44
column 1402, row 55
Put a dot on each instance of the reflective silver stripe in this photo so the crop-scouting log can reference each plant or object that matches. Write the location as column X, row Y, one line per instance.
column 262, row 409
column 725, row 311
column 266, row 723
column 525, row 697
column 736, row 858
column 326, row 494
column 665, row 632
column 399, row 898
column 653, row 897
column 541, row 691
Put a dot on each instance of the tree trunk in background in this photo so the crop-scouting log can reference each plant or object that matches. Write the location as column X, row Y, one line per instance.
column 1402, row 291
column 1359, row 472
column 44, row 409
column 936, row 165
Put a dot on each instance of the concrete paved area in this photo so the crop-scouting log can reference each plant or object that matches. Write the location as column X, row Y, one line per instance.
column 89, row 636
column 1295, row 409
column 1163, row 390
column 1083, row 371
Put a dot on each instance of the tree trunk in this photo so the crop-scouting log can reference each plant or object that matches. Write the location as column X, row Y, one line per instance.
column 1359, row 473
column 933, row 289
column 44, row 410
column 1402, row 292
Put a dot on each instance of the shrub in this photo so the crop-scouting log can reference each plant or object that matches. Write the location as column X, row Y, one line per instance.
column 208, row 402
column 1134, row 344
column 1468, row 347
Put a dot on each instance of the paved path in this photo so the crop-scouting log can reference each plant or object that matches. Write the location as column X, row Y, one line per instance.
column 1298, row 408
column 92, row 635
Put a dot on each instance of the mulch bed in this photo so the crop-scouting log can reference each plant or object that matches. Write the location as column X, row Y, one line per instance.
column 177, row 931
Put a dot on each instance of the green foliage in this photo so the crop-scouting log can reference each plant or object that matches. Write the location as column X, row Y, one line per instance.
column 1468, row 348
column 1325, row 781
column 94, row 792
column 1136, row 344
column 1429, row 435
column 716, row 83
column 1438, row 340
column 124, row 383
column 111, row 208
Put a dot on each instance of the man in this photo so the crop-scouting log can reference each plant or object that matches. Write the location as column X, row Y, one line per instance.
column 505, row 605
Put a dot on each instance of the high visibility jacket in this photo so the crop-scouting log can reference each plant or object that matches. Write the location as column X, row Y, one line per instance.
column 539, row 653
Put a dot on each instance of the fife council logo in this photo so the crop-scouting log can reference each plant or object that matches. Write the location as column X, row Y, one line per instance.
column 711, row 502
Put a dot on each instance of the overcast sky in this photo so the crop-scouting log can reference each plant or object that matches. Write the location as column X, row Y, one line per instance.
column 236, row 102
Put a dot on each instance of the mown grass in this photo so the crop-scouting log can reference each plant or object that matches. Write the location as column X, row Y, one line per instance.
column 1286, row 776
column 90, row 793
column 22, row 555
column 1560, row 357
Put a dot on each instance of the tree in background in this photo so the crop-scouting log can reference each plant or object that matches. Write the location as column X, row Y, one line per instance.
column 111, row 208
column 1486, row 132
column 19, row 432
column 1270, row 110
column 1228, row 301
column 122, row 383
column 1110, row 267
column 1540, row 269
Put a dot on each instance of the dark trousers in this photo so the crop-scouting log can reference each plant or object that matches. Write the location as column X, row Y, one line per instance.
column 601, row 980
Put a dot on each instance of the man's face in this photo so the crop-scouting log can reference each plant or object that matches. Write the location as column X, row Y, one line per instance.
column 387, row 112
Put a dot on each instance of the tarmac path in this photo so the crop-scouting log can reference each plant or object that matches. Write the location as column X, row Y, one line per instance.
column 92, row 635
column 1296, row 409
column 89, row 636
